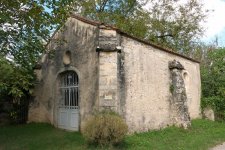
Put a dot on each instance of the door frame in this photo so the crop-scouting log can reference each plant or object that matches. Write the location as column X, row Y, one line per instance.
column 57, row 94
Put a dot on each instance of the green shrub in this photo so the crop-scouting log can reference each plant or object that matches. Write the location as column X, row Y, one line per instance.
column 213, row 82
column 105, row 128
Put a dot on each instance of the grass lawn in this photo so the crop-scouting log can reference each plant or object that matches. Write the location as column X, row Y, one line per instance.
column 203, row 135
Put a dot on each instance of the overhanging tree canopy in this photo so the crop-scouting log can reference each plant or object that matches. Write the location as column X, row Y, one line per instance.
column 174, row 24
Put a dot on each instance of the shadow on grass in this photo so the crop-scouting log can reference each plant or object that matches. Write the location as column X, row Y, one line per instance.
column 121, row 145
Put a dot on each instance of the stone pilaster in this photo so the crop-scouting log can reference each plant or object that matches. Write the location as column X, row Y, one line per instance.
column 107, row 48
column 108, row 80
column 180, row 115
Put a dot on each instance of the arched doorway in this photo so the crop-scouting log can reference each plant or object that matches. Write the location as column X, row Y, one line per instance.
column 68, row 108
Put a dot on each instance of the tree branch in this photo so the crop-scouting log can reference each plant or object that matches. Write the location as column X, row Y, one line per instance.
column 165, row 35
column 102, row 5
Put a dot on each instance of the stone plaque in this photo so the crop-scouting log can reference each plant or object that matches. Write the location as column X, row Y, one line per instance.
column 108, row 97
column 109, row 103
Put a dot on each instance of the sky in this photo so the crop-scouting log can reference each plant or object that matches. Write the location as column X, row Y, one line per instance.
column 215, row 22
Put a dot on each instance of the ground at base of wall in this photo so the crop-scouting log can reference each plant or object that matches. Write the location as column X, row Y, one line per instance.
column 219, row 147
column 203, row 134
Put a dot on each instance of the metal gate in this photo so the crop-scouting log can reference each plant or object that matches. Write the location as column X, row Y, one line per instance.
column 69, row 102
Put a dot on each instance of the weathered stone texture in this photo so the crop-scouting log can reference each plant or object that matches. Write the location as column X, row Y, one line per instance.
column 208, row 113
column 147, row 86
column 81, row 40
column 108, row 80
column 178, row 101
column 115, row 72
column 107, row 39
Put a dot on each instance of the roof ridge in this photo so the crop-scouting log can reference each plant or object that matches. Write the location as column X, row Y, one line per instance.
column 97, row 23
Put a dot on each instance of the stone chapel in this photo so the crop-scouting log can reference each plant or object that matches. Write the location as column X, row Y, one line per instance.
column 90, row 66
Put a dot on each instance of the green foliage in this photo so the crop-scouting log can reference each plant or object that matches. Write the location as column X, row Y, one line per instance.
column 203, row 135
column 15, row 81
column 171, row 88
column 124, row 14
column 26, row 25
column 39, row 136
column 213, row 81
column 25, row 28
column 176, row 26
column 16, row 85
column 105, row 128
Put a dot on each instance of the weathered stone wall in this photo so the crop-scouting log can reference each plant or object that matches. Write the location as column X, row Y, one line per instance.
column 145, row 85
column 80, row 39
column 134, row 81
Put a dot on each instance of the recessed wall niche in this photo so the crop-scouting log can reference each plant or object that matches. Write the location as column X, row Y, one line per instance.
column 185, row 76
column 67, row 58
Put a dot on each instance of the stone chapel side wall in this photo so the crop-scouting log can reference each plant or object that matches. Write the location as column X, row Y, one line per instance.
column 81, row 40
column 146, row 85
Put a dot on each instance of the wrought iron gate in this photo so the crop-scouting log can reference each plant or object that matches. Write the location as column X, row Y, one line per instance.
column 69, row 101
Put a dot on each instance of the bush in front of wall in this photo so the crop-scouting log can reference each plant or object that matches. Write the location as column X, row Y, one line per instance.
column 105, row 128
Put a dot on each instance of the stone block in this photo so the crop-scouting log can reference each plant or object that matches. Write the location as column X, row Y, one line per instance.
column 208, row 113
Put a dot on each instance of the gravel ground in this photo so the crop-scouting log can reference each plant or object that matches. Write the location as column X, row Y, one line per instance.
column 219, row 147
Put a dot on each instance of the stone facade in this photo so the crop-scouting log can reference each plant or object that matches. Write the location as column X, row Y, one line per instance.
column 119, row 72
column 81, row 40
